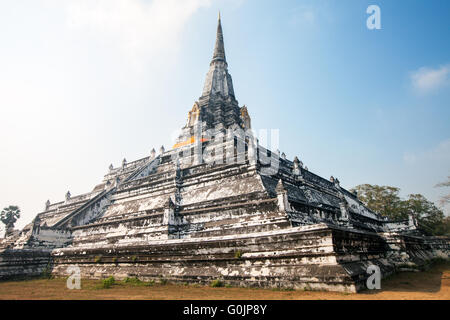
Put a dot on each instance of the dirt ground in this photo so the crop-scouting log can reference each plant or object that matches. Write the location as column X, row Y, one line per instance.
column 431, row 284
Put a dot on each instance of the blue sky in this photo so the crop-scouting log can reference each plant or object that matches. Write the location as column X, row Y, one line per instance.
column 86, row 83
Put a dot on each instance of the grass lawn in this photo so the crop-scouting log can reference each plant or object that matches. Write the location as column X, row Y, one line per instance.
column 431, row 284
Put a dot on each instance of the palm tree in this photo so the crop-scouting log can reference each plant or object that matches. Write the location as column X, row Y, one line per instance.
column 9, row 217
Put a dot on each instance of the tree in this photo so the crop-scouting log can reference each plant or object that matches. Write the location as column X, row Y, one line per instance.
column 445, row 199
column 382, row 199
column 429, row 217
column 9, row 217
column 444, row 228
column 386, row 201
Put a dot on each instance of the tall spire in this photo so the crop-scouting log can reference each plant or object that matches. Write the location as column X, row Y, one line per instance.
column 218, row 80
column 217, row 107
column 219, row 49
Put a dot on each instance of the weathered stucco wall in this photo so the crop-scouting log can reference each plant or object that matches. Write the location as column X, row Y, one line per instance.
column 17, row 263
column 312, row 257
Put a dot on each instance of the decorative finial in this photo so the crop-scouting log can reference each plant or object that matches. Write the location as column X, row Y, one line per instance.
column 219, row 48
column 336, row 182
column 297, row 166
column 280, row 187
column 68, row 195
column 162, row 150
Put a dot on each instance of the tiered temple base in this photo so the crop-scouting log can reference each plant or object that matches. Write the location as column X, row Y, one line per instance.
column 317, row 257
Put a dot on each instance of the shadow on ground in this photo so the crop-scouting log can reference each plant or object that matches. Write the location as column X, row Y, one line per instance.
column 428, row 281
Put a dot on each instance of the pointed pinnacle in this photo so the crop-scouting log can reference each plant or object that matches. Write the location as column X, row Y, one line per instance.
column 219, row 48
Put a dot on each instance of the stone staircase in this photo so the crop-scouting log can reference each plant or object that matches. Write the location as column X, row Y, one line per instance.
column 100, row 202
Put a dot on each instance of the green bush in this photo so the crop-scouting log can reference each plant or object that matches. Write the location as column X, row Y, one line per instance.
column 163, row 281
column 47, row 272
column 288, row 289
column 134, row 281
column 134, row 258
column 97, row 259
column 108, row 282
column 238, row 254
column 307, row 287
column 217, row 283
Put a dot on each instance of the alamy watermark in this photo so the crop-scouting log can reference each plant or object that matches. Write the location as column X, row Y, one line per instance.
column 374, row 280
column 374, row 20
column 229, row 146
column 74, row 280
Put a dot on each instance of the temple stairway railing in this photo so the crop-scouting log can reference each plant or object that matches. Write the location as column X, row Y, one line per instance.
column 66, row 221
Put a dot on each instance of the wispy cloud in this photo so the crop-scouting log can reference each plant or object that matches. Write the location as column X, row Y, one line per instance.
column 439, row 153
column 426, row 80
column 142, row 30
column 426, row 168
column 312, row 13
column 304, row 15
